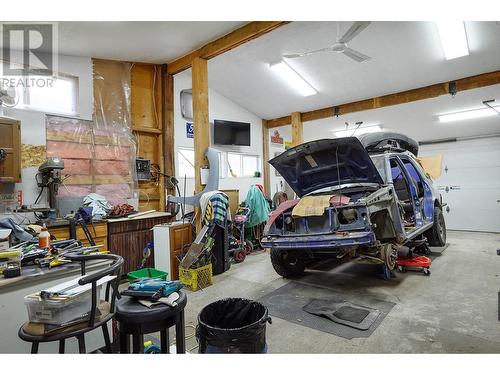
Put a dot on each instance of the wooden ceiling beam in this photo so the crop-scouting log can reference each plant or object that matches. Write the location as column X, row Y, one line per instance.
column 421, row 93
column 226, row 43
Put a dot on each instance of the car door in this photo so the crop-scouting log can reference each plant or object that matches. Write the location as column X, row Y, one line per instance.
column 402, row 181
column 424, row 193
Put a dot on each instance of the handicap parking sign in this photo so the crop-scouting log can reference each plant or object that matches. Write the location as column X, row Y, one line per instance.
column 189, row 130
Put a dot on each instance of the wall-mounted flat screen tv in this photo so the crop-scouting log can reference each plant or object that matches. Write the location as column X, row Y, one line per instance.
column 231, row 133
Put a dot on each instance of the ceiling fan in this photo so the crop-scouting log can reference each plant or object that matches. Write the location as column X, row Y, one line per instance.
column 340, row 46
column 8, row 97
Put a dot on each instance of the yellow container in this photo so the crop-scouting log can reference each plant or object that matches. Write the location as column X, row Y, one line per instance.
column 196, row 278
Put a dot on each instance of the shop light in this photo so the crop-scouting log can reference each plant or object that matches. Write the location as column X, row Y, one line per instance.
column 453, row 38
column 293, row 78
column 467, row 115
column 361, row 130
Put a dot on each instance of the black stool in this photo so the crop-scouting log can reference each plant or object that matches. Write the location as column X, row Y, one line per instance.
column 36, row 332
column 136, row 320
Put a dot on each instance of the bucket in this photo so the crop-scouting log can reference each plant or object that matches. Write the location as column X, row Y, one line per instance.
column 233, row 325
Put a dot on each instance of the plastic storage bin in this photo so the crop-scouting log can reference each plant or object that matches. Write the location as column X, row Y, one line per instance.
column 61, row 311
column 196, row 278
column 146, row 272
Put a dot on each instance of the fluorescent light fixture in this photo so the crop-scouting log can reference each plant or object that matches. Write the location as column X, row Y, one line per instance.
column 361, row 130
column 453, row 38
column 467, row 115
column 293, row 78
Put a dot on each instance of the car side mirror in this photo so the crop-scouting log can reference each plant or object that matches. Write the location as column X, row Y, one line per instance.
column 420, row 189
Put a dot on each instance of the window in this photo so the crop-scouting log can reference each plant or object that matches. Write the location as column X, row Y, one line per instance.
column 61, row 97
column 234, row 165
column 186, row 162
column 241, row 165
column 230, row 164
column 44, row 93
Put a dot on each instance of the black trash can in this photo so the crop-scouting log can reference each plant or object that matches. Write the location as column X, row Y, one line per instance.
column 233, row 325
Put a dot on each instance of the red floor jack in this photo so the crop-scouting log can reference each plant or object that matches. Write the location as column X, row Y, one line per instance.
column 417, row 264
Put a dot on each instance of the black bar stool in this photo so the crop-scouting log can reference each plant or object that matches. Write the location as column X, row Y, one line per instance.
column 35, row 332
column 136, row 320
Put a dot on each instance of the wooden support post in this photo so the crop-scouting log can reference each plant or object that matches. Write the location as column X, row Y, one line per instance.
column 297, row 129
column 168, row 124
column 265, row 157
column 200, row 122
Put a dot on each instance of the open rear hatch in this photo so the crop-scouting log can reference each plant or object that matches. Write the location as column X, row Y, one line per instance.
column 388, row 141
column 326, row 163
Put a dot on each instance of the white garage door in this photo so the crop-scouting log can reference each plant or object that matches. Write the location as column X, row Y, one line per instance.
column 469, row 183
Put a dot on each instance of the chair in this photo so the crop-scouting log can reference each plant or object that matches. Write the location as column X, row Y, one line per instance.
column 136, row 320
column 34, row 332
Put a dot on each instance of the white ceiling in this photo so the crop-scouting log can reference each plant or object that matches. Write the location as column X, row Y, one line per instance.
column 153, row 42
column 419, row 119
column 404, row 55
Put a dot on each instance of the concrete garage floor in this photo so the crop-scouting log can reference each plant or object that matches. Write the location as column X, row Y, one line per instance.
column 455, row 310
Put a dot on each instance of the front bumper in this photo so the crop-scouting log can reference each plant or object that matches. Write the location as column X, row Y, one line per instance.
column 319, row 241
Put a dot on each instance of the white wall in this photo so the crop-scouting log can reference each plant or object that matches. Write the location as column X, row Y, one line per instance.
column 33, row 122
column 220, row 108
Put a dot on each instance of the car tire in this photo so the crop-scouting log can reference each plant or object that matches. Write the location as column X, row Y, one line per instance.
column 437, row 234
column 288, row 263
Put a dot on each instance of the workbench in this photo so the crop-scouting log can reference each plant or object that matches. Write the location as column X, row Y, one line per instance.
column 128, row 238
column 98, row 230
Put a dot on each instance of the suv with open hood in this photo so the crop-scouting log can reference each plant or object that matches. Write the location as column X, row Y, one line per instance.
column 358, row 198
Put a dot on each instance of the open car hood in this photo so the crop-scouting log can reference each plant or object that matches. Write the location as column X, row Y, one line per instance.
column 313, row 165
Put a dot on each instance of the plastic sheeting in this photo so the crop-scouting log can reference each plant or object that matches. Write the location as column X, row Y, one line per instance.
column 99, row 155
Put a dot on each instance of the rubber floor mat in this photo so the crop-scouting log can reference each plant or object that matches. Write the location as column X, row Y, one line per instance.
column 346, row 313
column 288, row 301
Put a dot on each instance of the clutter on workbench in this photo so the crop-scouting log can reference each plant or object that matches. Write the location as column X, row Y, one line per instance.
column 5, row 238
column 44, row 238
column 233, row 325
column 10, row 258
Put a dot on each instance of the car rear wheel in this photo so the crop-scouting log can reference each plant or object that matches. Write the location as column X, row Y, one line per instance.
column 288, row 263
column 437, row 234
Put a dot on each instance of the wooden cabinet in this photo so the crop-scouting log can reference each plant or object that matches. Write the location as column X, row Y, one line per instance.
column 99, row 232
column 180, row 235
column 10, row 150
column 234, row 200
column 129, row 237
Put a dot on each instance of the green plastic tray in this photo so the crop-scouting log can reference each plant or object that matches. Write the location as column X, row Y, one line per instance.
column 146, row 272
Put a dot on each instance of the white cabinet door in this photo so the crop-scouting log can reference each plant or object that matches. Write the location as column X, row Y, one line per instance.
column 470, row 183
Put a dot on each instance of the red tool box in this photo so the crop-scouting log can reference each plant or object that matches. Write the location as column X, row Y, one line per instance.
column 419, row 264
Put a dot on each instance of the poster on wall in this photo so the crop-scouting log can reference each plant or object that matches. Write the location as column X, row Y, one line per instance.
column 276, row 138
column 288, row 144
column 189, row 130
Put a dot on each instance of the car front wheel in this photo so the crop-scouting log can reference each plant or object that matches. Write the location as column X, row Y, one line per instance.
column 437, row 234
column 288, row 263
